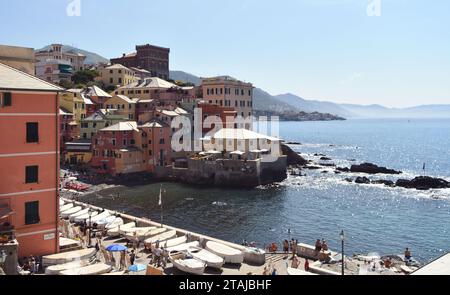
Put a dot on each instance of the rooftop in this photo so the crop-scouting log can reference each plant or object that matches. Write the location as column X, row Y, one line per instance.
column 126, row 98
column 96, row 91
column 122, row 126
column 117, row 66
column 240, row 134
column 13, row 79
column 440, row 266
column 153, row 82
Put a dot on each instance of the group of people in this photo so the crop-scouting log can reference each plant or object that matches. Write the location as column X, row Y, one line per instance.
column 290, row 246
column 29, row 264
column 296, row 263
column 321, row 245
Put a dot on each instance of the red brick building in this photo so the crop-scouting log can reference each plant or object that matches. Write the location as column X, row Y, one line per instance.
column 152, row 58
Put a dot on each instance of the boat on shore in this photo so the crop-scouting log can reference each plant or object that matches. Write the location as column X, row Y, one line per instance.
column 105, row 221
column 144, row 233
column 171, row 242
column 181, row 247
column 212, row 260
column 66, row 257
column 65, row 207
column 58, row 268
column 79, row 213
column 230, row 255
column 84, row 217
column 98, row 217
column 161, row 237
column 73, row 210
column 115, row 223
column 94, row 269
column 187, row 265
column 113, row 232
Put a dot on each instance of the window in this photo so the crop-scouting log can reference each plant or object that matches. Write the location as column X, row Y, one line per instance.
column 120, row 71
column 111, row 81
column 149, row 142
column 31, row 174
column 249, row 93
column 221, row 90
column 235, row 103
column 32, row 212
column 161, row 141
column 150, row 152
column 7, row 98
column 132, row 141
column 120, row 80
column 125, row 142
column 84, row 135
column 114, row 142
column 84, row 125
column 110, row 71
column 32, row 132
column 242, row 91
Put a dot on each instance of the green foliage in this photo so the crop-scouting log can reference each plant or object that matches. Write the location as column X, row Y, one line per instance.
column 66, row 84
column 84, row 76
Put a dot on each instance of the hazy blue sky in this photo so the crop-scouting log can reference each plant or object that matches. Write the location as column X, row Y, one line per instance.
column 318, row 49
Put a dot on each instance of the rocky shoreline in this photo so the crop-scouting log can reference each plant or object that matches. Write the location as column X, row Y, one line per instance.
column 296, row 161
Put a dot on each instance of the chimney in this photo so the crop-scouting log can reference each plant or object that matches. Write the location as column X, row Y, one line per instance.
column 123, row 55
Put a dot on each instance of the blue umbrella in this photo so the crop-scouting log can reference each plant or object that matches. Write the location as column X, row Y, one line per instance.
column 116, row 248
column 137, row 267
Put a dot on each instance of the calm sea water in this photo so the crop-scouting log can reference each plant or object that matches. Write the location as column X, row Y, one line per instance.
column 320, row 205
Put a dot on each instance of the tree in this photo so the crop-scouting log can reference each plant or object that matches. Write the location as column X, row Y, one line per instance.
column 66, row 84
column 84, row 76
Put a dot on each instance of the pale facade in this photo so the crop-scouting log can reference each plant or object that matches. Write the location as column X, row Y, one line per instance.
column 124, row 106
column 116, row 75
column 20, row 58
column 229, row 92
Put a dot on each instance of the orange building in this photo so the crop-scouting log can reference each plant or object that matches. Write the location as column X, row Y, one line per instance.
column 29, row 160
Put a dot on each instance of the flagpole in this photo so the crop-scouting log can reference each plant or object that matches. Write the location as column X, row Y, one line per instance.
column 160, row 203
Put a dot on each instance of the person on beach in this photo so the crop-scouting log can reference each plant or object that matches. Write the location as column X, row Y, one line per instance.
column 265, row 271
column 306, row 264
column 286, row 246
column 295, row 262
column 132, row 257
column 324, row 246
column 407, row 254
column 135, row 241
column 274, row 272
column 318, row 245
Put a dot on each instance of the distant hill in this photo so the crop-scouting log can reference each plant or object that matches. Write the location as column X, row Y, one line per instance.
column 91, row 57
column 186, row 77
column 263, row 101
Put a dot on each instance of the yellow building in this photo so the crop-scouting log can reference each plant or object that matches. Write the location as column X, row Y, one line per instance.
column 78, row 152
column 74, row 101
column 124, row 106
column 99, row 120
column 116, row 75
column 129, row 160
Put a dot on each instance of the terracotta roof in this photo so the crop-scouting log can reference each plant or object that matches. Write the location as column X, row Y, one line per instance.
column 13, row 79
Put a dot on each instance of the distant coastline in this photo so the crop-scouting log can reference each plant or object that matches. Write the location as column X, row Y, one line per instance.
column 299, row 116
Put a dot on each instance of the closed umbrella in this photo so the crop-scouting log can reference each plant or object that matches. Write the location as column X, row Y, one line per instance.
column 116, row 248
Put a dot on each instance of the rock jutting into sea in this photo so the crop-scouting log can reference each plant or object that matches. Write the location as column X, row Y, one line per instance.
column 423, row 183
column 368, row 168
column 292, row 157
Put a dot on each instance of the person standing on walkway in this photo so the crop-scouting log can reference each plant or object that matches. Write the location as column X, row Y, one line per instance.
column 306, row 264
column 132, row 257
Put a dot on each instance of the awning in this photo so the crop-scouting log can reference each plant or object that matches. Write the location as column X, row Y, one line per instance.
column 5, row 211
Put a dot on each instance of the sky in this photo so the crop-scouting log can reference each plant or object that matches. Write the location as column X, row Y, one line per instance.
column 390, row 52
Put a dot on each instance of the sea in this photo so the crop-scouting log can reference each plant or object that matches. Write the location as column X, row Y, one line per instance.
column 320, row 204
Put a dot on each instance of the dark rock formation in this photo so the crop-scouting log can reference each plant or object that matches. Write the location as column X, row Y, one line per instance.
column 348, row 180
column 342, row 169
column 370, row 168
column 423, row 183
column 362, row 180
column 292, row 157
column 319, row 155
column 325, row 159
column 293, row 143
